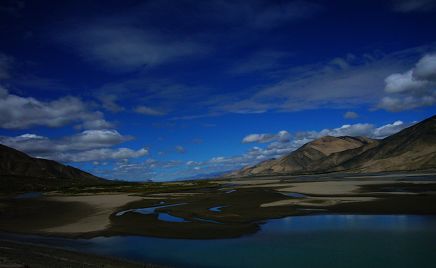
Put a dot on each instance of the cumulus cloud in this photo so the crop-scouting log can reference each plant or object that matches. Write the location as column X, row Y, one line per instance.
column 148, row 111
column 360, row 129
column 426, row 68
column 18, row 112
column 258, row 138
column 411, row 89
column 143, row 170
column 389, row 129
column 101, row 154
column 351, row 115
column 96, row 124
column 41, row 146
column 403, row 82
column 88, row 145
column 275, row 148
column 341, row 82
column 282, row 136
column 401, row 103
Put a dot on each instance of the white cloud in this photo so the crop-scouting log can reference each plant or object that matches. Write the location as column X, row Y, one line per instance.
column 282, row 136
column 426, row 68
column 148, row 111
column 99, row 137
column 351, row 115
column 389, row 129
column 162, row 170
column 96, row 124
column 101, row 154
column 142, row 170
column 70, row 147
column 276, row 149
column 359, row 129
column 341, row 82
column 18, row 112
column 403, row 82
column 258, row 138
column 412, row 89
column 401, row 103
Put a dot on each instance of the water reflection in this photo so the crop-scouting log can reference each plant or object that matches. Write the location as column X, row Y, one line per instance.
column 306, row 241
column 295, row 195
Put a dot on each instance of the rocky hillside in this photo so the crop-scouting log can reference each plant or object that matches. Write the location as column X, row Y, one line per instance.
column 19, row 171
column 413, row 148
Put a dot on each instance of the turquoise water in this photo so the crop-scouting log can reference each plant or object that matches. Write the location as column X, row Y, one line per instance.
column 295, row 195
column 152, row 210
column 170, row 218
column 216, row 209
column 147, row 210
column 306, row 241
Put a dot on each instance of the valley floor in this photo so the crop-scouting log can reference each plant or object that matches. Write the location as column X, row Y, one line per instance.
column 213, row 209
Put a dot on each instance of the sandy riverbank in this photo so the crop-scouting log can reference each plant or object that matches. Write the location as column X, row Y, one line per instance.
column 103, row 204
column 244, row 205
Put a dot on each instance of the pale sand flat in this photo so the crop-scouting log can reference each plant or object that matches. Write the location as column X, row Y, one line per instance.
column 337, row 187
column 329, row 187
column 175, row 194
column 254, row 182
column 105, row 205
column 273, row 185
column 319, row 202
column 248, row 182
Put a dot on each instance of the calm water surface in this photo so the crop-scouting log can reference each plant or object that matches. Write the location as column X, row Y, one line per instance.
column 306, row 241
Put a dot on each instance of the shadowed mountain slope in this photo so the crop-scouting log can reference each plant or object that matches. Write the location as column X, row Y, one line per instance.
column 19, row 171
column 413, row 148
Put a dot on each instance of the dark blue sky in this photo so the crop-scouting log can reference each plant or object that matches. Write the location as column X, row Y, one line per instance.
column 171, row 89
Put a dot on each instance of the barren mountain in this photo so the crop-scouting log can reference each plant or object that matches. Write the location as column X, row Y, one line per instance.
column 413, row 148
column 22, row 172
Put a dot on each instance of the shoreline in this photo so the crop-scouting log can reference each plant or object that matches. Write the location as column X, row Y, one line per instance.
column 246, row 204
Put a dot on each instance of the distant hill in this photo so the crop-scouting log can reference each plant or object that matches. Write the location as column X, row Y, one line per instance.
column 21, row 172
column 413, row 148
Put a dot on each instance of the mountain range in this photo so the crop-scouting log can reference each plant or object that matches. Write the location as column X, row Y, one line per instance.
column 413, row 148
column 19, row 171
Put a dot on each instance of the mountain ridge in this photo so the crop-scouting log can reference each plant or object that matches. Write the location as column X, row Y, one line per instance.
column 413, row 148
column 19, row 171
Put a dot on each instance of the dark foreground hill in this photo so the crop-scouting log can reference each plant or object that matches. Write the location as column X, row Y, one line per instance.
column 21, row 172
column 413, row 148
